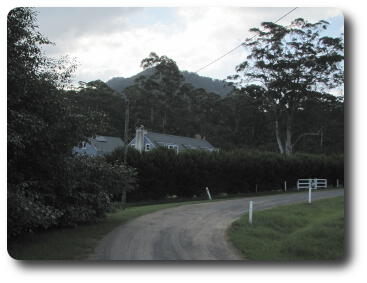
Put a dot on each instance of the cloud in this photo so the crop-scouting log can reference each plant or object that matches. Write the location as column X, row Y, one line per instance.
column 112, row 42
column 64, row 25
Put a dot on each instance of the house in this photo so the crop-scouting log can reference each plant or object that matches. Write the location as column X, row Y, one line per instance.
column 100, row 145
column 145, row 140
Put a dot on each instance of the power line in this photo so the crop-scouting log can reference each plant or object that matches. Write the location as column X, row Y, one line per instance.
column 230, row 51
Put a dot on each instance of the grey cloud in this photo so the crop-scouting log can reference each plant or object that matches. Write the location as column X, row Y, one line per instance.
column 68, row 22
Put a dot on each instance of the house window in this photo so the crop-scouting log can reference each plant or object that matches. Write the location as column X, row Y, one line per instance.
column 175, row 147
column 147, row 147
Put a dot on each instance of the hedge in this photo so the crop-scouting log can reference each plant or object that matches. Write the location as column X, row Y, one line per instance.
column 163, row 173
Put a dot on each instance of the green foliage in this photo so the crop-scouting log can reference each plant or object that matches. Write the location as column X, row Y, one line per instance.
column 103, row 108
column 81, row 192
column 162, row 101
column 88, row 188
column 46, row 186
column 293, row 64
column 162, row 172
column 28, row 212
column 294, row 232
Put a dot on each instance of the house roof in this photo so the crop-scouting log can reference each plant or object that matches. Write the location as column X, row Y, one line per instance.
column 182, row 142
column 105, row 144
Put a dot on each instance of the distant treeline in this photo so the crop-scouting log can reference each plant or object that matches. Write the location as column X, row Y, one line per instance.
column 211, row 85
column 163, row 173
column 238, row 120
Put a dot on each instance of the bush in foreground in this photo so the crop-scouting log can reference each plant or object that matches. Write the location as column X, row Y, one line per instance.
column 80, row 193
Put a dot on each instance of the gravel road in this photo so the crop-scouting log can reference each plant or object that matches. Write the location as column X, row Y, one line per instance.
column 189, row 232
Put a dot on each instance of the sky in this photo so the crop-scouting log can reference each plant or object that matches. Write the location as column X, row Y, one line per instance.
column 111, row 42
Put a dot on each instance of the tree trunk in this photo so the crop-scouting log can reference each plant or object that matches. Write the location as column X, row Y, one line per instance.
column 288, row 133
column 126, row 134
column 164, row 120
column 277, row 135
column 123, row 197
column 321, row 140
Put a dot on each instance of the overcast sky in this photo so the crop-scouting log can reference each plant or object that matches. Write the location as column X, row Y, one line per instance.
column 111, row 42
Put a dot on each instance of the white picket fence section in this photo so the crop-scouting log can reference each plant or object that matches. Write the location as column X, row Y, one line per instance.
column 306, row 183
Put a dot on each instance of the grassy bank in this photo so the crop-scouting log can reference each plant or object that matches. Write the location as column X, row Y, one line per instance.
column 294, row 232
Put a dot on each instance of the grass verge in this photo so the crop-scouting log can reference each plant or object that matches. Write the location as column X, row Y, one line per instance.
column 294, row 232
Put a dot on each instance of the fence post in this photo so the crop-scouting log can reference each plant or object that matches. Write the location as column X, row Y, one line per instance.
column 337, row 183
column 208, row 193
column 250, row 212
column 285, row 186
column 256, row 188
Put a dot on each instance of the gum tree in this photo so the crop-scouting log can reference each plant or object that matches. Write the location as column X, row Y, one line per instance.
column 292, row 63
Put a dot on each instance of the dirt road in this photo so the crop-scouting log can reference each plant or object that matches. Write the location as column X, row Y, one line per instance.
column 189, row 232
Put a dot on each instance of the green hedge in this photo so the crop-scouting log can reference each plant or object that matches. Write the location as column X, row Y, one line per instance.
column 162, row 172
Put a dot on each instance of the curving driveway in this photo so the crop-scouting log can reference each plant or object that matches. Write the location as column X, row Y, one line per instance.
column 189, row 232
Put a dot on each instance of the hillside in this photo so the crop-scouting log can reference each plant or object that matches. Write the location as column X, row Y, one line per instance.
column 209, row 84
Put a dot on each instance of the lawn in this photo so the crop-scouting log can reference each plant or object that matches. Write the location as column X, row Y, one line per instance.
column 305, row 232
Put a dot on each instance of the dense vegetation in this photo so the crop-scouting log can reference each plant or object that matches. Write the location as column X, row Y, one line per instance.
column 238, row 120
column 163, row 173
column 48, row 187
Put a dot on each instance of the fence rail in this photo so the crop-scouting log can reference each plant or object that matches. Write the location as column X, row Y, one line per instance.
column 306, row 183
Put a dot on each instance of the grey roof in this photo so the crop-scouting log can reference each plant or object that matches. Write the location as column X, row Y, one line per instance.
column 105, row 144
column 182, row 142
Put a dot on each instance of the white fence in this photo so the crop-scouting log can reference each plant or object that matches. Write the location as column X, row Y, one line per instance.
column 306, row 183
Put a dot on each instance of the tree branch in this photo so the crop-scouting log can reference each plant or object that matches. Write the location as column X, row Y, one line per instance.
column 304, row 135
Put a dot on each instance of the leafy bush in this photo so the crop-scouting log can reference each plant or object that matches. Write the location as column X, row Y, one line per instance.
column 162, row 172
column 81, row 192
column 27, row 212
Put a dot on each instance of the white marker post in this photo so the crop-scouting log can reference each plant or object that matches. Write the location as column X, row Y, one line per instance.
column 208, row 193
column 311, row 186
column 250, row 212
column 285, row 186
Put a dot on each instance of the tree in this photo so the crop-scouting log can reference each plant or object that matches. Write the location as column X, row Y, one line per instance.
column 102, row 107
column 164, row 85
column 47, row 186
column 245, row 122
column 292, row 63
column 42, row 126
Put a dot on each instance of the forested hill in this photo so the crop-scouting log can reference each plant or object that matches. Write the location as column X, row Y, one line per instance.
column 209, row 84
